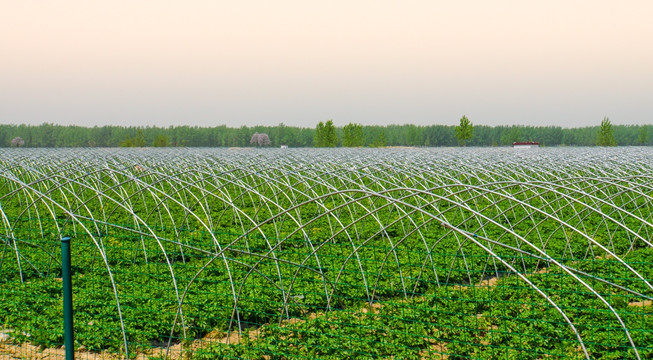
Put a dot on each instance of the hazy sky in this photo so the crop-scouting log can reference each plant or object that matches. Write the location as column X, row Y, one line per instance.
column 213, row 62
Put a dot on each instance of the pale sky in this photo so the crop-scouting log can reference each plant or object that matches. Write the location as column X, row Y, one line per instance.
column 211, row 62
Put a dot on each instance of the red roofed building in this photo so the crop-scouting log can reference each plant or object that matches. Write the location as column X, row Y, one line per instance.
column 526, row 144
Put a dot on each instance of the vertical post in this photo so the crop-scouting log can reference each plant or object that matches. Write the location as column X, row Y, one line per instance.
column 69, row 337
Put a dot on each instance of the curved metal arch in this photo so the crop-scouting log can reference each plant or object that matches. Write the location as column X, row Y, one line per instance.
column 276, row 195
column 559, row 265
column 519, row 274
column 104, row 258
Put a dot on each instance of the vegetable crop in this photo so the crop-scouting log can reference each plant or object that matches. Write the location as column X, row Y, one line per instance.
column 340, row 253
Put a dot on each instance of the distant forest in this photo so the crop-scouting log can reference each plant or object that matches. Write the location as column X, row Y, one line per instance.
column 50, row 135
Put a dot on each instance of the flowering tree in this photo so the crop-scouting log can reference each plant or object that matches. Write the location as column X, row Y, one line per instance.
column 254, row 139
column 17, row 141
column 261, row 139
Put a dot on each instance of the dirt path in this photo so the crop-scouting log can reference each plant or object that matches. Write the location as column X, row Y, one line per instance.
column 25, row 351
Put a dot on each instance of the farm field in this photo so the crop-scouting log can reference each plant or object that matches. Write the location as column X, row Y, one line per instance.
column 440, row 253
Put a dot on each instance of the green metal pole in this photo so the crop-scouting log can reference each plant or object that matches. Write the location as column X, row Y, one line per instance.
column 69, row 337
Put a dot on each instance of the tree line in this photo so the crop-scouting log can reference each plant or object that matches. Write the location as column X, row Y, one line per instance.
column 325, row 134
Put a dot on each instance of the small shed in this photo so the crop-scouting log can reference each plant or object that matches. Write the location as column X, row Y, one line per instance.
column 526, row 144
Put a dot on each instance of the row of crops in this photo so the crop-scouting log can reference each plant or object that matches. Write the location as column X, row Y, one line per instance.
column 342, row 254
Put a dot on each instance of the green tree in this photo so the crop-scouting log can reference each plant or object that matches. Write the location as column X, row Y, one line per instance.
column 325, row 135
column 160, row 141
column 606, row 134
column 511, row 135
column 379, row 139
column 642, row 138
column 373, row 135
column 464, row 131
column 139, row 140
column 319, row 135
column 352, row 135
column 126, row 143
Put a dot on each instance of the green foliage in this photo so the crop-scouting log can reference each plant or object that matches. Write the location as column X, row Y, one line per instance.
column 136, row 141
column 307, row 294
column 352, row 135
column 642, row 136
column 139, row 140
column 464, row 131
column 325, row 135
column 606, row 134
column 511, row 135
column 379, row 139
column 160, row 141
column 126, row 143
column 49, row 135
